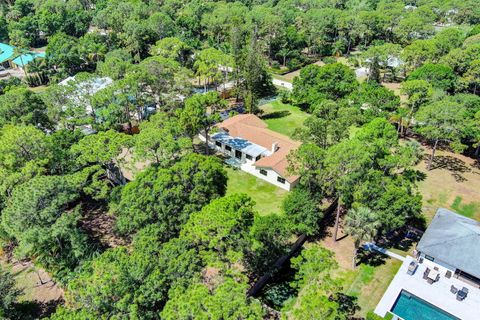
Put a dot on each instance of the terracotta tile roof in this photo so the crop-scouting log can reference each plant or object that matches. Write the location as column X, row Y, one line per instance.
column 252, row 128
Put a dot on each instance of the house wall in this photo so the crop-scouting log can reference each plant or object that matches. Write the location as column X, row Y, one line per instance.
column 271, row 176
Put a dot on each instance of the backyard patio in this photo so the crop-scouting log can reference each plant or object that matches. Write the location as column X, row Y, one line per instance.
column 437, row 293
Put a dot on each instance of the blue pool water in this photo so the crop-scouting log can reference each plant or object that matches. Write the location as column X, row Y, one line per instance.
column 410, row 307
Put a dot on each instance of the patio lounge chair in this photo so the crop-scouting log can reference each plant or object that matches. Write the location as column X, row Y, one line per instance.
column 448, row 274
column 425, row 274
column 412, row 267
column 453, row 289
column 462, row 294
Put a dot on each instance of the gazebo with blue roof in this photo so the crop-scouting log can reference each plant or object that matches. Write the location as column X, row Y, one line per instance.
column 7, row 55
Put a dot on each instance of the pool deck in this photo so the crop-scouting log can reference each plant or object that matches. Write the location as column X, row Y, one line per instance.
column 437, row 293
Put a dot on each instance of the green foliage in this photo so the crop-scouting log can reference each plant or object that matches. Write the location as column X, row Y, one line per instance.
column 24, row 153
column 474, row 31
column 201, row 114
column 332, row 81
column 118, row 283
column 271, row 235
column 439, row 76
column 317, row 298
column 328, row 124
column 370, row 168
column 102, row 149
column 162, row 140
column 394, row 201
column 8, row 293
column 168, row 196
column 303, row 210
column 227, row 301
column 72, row 55
column 116, row 64
column 362, row 224
column 441, row 121
column 222, row 227
column 372, row 100
column 20, row 106
column 418, row 92
column 172, row 48
column 41, row 216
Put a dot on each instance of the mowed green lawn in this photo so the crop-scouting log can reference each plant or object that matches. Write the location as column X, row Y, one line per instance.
column 268, row 198
column 283, row 118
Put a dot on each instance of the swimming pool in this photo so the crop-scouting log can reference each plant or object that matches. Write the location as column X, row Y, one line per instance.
column 410, row 307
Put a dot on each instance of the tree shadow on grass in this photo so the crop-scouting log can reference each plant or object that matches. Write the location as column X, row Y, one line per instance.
column 456, row 166
column 348, row 304
column 371, row 258
column 27, row 310
column 276, row 115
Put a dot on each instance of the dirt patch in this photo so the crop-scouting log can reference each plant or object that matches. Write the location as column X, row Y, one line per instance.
column 100, row 226
column 343, row 248
column 36, row 283
column 291, row 75
column 453, row 178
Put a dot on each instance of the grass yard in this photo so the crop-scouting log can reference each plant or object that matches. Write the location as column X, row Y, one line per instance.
column 367, row 282
column 453, row 183
column 268, row 198
column 283, row 118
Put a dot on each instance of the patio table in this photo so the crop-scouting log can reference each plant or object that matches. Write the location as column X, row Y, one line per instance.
column 433, row 275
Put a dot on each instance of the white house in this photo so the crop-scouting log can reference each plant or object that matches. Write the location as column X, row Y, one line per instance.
column 255, row 149
column 83, row 90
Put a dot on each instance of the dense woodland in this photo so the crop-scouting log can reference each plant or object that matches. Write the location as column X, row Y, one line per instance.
column 186, row 250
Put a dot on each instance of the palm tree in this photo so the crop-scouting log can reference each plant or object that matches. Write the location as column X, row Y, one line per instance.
column 362, row 225
column 19, row 51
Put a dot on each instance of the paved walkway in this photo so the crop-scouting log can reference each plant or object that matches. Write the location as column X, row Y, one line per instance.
column 281, row 83
column 372, row 246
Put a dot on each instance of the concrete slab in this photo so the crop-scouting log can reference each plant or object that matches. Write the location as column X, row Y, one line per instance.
column 438, row 293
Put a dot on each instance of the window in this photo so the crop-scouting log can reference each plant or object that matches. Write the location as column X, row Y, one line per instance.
column 264, row 172
column 218, row 144
column 228, row 148
column 249, row 157
column 280, row 179
column 258, row 158
column 238, row 154
column 429, row 258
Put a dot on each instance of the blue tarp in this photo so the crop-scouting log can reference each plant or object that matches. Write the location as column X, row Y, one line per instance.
column 6, row 52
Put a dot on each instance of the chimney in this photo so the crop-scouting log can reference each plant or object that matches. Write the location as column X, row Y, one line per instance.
column 274, row 147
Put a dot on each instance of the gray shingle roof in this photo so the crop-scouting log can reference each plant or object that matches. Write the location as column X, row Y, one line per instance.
column 454, row 239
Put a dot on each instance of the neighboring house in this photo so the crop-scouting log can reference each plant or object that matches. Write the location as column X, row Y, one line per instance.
column 443, row 281
column 453, row 242
column 84, row 90
column 255, row 149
